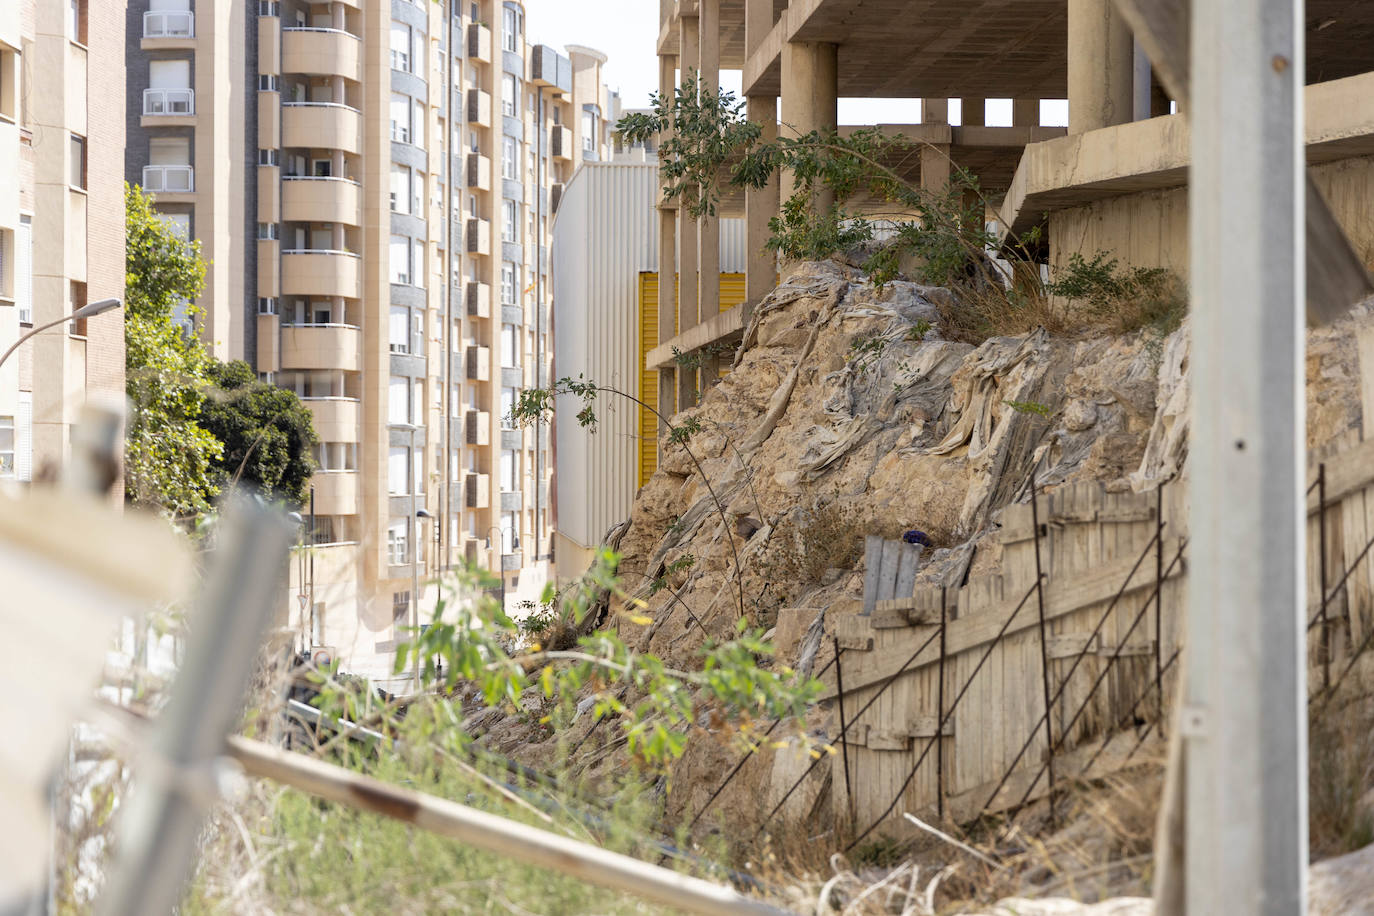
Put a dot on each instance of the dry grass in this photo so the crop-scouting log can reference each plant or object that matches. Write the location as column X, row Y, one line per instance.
column 1340, row 754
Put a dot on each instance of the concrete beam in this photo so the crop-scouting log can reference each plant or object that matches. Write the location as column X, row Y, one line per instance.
column 724, row 326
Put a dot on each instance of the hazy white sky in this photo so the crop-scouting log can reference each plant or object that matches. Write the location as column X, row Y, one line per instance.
column 627, row 30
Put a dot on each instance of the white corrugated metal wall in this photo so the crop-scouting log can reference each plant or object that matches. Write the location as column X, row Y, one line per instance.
column 604, row 235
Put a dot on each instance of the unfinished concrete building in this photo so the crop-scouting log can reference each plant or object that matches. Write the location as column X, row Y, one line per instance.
column 1114, row 180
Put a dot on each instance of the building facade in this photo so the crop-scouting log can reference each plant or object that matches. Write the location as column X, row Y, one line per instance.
column 379, row 234
column 61, row 221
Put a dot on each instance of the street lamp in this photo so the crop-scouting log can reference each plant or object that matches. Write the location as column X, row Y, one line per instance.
column 415, row 582
column 86, row 311
column 501, row 561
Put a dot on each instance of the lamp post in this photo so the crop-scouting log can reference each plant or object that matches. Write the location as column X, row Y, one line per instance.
column 86, row 311
column 501, row 561
column 415, row 584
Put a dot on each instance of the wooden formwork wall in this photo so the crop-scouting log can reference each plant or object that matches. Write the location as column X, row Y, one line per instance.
column 1102, row 564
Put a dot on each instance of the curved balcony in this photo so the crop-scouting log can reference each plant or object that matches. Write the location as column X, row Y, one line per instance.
column 321, row 346
column 321, row 52
column 328, row 125
column 336, row 492
column 321, row 200
column 319, row 272
column 336, row 419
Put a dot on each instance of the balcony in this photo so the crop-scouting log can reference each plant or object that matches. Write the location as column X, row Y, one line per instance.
column 512, row 500
column 336, row 419
column 321, row 52
column 321, row 346
column 511, row 562
column 478, row 299
column 321, row 200
column 479, row 172
column 330, row 125
column 166, row 29
column 479, row 107
column 477, row 424
column 477, row 489
column 561, row 143
column 336, row 492
column 479, row 363
column 479, row 43
column 478, row 237
column 319, row 272
column 169, row 179
column 161, row 104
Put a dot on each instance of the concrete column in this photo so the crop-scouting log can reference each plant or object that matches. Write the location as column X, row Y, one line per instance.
column 935, row 168
column 761, row 266
column 708, row 227
column 934, row 111
column 1025, row 113
column 690, row 63
column 810, row 98
column 974, row 112
column 667, row 306
column 1101, row 66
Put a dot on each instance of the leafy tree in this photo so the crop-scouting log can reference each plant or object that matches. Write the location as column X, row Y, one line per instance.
column 266, row 431
column 168, row 454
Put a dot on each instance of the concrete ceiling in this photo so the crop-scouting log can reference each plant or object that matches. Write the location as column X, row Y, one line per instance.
column 978, row 48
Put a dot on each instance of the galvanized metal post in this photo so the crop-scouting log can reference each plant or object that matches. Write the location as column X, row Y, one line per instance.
column 1324, row 645
column 1244, row 715
column 163, row 818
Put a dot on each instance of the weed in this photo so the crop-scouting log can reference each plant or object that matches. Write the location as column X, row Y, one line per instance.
column 1126, row 299
column 1031, row 407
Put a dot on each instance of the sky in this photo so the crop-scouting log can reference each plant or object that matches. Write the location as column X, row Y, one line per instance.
column 627, row 31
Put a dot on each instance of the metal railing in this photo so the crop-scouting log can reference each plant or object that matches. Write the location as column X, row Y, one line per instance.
column 169, row 178
column 169, row 24
column 169, row 101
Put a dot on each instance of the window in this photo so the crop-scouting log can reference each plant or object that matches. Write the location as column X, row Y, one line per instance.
column 510, row 222
column 510, row 158
column 508, row 283
column 402, row 42
column 509, row 396
column 510, row 94
column 76, row 21
column 400, row 329
column 336, row 456
column 588, row 132
column 510, row 470
column 269, row 8
column 322, row 168
column 398, row 401
column 418, row 461
column 78, row 162
column 400, row 118
column 268, row 82
column 23, row 270
column 6, row 446
column 267, row 306
column 398, row 472
column 268, row 231
column 400, row 260
column 268, row 157
column 398, row 554
column 404, row 198
column 417, row 123
column 510, row 346
column 400, row 601
column 510, row 34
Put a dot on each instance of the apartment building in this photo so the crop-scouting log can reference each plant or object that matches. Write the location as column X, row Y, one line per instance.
column 374, row 184
column 61, row 221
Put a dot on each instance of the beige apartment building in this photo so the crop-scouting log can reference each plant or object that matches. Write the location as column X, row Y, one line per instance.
column 61, row 221
column 374, row 182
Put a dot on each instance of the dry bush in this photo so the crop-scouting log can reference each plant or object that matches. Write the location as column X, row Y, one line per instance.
column 825, row 534
column 1340, row 752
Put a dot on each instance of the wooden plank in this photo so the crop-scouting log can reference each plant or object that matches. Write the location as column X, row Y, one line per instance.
column 888, row 740
column 908, row 562
column 887, row 575
column 924, row 727
column 1071, row 645
column 854, row 632
column 873, row 557
column 1345, row 473
column 1062, row 596
column 1145, row 647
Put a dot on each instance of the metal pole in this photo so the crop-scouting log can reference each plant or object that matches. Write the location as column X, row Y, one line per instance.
column 163, row 818
column 1244, row 715
column 844, row 731
column 1159, row 605
column 1324, row 646
column 1044, row 650
column 940, row 714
